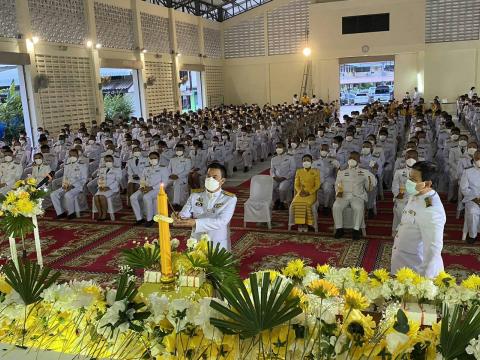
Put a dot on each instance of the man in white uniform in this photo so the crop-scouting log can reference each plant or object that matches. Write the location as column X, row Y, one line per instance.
column 179, row 168
column 210, row 211
column 283, row 172
column 419, row 241
column 10, row 172
column 470, row 188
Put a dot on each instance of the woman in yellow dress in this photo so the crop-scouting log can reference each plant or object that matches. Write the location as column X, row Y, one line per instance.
column 307, row 183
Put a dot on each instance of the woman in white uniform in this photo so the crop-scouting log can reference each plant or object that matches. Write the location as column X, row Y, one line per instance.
column 109, row 179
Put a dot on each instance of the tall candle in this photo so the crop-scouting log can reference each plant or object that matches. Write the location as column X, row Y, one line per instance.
column 164, row 237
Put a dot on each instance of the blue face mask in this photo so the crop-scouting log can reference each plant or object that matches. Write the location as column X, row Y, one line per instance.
column 411, row 187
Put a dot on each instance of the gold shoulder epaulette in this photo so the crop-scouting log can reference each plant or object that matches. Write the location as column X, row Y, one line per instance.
column 228, row 193
column 197, row 190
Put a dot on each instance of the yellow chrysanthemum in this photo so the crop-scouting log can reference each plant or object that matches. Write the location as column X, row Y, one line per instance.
column 25, row 206
column 406, row 275
column 4, row 286
column 295, row 269
column 93, row 290
column 10, row 198
column 23, row 195
column 202, row 245
column 444, row 280
column 198, row 256
column 355, row 300
column 472, row 283
column 297, row 293
column 323, row 269
column 359, row 327
column 380, row 275
column 19, row 183
column 359, row 275
column 31, row 181
column 323, row 288
column 180, row 262
column 1, row 213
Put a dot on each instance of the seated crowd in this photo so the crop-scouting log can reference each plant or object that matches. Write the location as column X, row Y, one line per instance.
column 319, row 162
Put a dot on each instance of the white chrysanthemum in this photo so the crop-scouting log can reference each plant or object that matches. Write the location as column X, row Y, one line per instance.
column 110, row 297
column 177, row 313
column 175, row 243
column 425, row 290
column 310, row 275
column 191, row 243
column 341, row 278
column 205, row 237
column 395, row 340
column 112, row 315
column 159, row 307
column 61, row 295
column 473, row 348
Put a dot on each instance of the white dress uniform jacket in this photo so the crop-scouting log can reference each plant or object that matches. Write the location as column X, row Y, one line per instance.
column 40, row 172
column 10, row 173
column 135, row 167
column 213, row 212
column 470, row 188
column 419, row 241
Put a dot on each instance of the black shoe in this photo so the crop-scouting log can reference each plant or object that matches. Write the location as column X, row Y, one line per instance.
column 282, row 206
column 471, row 240
column 276, row 206
column 234, row 168
column 71, row 216
column 149, row 223
column 371, row 214
column 326, row 211
column 245, row 169
column 356, row 235
column 139, row 222
column 61, row 216
column 262, row 160
column 339, row 233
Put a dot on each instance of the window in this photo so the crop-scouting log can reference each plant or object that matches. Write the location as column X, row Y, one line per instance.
column 365, row 23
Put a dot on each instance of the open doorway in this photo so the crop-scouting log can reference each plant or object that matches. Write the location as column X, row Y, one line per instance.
column 121, row 93
column 13, row 103
column 191, row 90
column 363, row 83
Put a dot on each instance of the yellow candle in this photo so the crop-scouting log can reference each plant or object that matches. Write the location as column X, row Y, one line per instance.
column 164, row 237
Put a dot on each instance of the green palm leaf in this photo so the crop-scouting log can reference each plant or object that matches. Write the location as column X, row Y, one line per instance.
column 458, row 328
column 141, row 257
column 29, row 280
column 250, row 314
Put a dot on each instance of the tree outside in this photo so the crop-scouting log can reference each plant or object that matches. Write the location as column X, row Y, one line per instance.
column 11, row 113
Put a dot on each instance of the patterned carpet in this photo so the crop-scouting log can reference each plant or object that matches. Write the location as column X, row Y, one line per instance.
column 84, row 249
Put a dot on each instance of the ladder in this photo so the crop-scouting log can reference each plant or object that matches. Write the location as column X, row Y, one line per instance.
column 307, row 79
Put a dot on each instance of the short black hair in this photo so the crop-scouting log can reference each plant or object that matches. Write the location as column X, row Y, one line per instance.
column 220, row 167
column 307, row 156
column 428, row 170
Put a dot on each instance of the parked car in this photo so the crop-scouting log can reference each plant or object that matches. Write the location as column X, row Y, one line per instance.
column 361, row 98
column 347, row 98
column 382, row 94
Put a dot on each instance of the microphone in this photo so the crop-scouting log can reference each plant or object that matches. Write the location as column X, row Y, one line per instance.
column 46, row 179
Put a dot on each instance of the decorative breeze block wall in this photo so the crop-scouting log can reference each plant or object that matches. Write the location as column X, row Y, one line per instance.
column 8, row 19
column 187, row 38
column 212, row 42
column 159, row 95
column 59, row 21
column 70, row 96
column 245, row 39
column 287, row 26
column 114, row 26
column 452, row 20
column 214, row 84
column 155, row 33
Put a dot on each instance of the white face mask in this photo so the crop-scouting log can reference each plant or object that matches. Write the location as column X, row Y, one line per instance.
column 320, row 133
column 179, row 153
column 279, row 151
column 462, row 143
column 201, row 137
column 334, row 145
column 418, row 129
column 224, row 137
column 153, row 162
column 137, row 154
column 38, row 161
column 477, row 163
column 8, row 158
column 294, row 145
column 472, row 151
column 307, row 164
column 91, row 142
column 72, row 159
column 352, row 163
column 109, row 164
column 349, row 138
column 211, row 184
column 323, row 153
column 454, row 137
column 365, row 151
column 109, row 152
column 382, row 137
column 410, row 162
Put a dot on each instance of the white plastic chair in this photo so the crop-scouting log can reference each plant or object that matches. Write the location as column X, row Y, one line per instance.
column 348, row 221
column 114, row 204
column 291, row 217
column 258, row 207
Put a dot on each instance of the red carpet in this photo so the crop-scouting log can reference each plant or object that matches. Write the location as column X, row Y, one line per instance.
column 85, row 249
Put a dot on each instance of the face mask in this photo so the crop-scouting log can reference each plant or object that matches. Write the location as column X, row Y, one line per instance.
column 17, row 147
column 477, row 163
column 89, row 141
column 320, row 133
column 418, row 129
column 179, row 153
column 72, row 159
column 224, row 137
column 201, row 137
column 382, row 137
column 410, row 162
column 294, row 145
column 352, row 163
column 137, row 154
column 349, row 138
column 454, row 137
column 462, row 143
column 211, row 184
column 323, row 153
column 448, row 131
column 109, row 152
column 411, row 187
column 8, row 158
column 472, row 151
column 21, row 142
column 153, row 162
column 311, row 142
column 365, row 151
column 279, row 151
column 38, row 161
column 335, row 145
column 109, row 164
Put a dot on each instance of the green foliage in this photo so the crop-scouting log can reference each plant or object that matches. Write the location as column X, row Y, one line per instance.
column 117, row 105
column 29, row 280
column 11, row 113
column 401, row 322
column 458, row 328
column 141, row 257
column 266, row 307
column 221, row 266
column 16, row 226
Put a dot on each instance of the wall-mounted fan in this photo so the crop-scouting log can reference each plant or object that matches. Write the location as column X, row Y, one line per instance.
column 40, row 82
column 151, row 80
